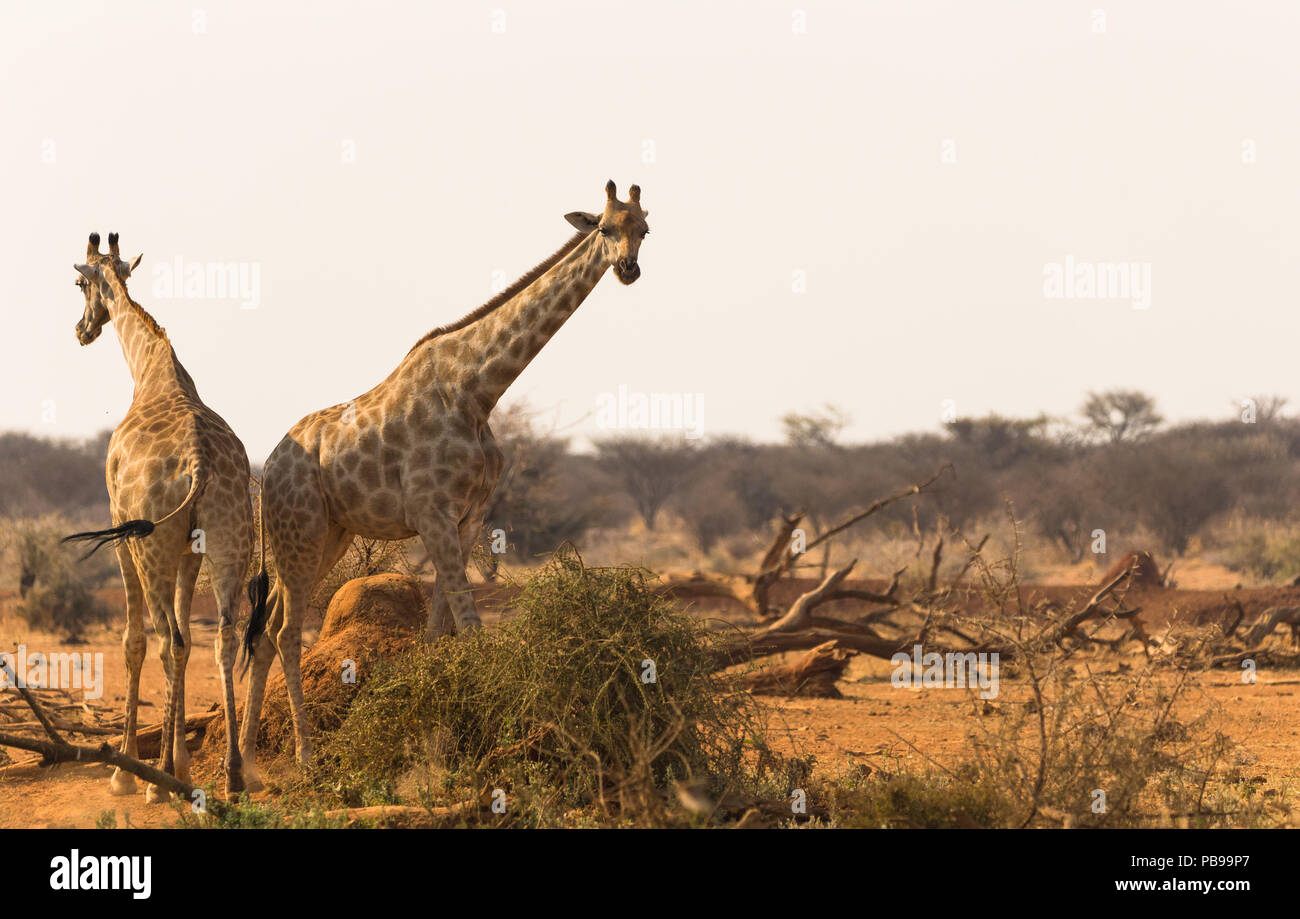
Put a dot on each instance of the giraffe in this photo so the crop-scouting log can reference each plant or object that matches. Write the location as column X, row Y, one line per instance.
column 178, row 482
column 415, row 455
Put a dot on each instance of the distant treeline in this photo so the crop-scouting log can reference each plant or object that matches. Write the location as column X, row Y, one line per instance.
column 40, row 475
column 1115, row 468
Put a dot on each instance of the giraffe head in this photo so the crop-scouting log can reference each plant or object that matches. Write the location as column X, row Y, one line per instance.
column 91, row 280
column 622, row 227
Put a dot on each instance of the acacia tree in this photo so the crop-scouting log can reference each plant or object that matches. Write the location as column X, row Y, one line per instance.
column 815, row 429
column 1121, row 414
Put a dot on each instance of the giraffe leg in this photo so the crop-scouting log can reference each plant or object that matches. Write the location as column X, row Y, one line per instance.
column 227, row 582
column 159, row 587
column 279, row 635
column 262, row 656
column 441, row 621
column 134, row 645
column 440, row 618
column 288, row 640
column 442, row 541
column 187, row 575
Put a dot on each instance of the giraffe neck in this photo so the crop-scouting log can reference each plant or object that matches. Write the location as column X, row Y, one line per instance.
column 490, row 353
column 149, row 355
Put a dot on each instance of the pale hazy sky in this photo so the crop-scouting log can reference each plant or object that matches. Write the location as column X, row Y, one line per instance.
column 782, row 141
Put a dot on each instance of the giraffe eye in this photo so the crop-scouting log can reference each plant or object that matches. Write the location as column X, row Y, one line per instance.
column 604, row 231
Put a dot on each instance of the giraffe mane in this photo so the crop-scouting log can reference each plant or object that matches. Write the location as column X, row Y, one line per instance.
column 529, row 277
column 110, row 264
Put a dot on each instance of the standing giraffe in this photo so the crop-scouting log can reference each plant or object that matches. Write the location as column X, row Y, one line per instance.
column 415, row 456
column 178, row 480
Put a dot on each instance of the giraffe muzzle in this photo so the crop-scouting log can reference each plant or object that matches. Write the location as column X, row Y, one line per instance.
column 627, row 270
column 86, row 337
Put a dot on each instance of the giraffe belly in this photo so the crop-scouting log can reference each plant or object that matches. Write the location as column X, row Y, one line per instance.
column 377, row 515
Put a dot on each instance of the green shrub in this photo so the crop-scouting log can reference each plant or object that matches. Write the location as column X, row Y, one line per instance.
column 555, row 703
column 911, row 800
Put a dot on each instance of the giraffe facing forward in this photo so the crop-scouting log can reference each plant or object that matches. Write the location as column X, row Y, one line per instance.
column 415, row 456
column 178, row 482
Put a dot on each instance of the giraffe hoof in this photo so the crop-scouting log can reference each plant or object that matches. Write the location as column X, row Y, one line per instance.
column 122, row 783
column 155, row 795
column 251, row 778
column 235, row 784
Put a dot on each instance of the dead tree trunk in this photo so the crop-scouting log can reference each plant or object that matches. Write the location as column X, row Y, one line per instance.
column 812, row 675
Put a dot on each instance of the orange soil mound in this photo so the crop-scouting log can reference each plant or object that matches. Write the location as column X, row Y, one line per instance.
column 368, row 620
column 1145, row 571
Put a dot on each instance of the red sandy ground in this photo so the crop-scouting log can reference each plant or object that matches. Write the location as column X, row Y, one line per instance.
column 872, row 722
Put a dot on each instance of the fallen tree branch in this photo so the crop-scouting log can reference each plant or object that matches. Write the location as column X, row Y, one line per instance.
column 1054, row 632
column 1269, row 620
column 53, row 753
column 149, row 740
column 746, row 648
column 812, row 675
column 44, row 719
column 56, row 750
column 934, row 565
column 771, row 641
column 1261, row 656
column 802, row 608
column 87, row 729
column 876, row 507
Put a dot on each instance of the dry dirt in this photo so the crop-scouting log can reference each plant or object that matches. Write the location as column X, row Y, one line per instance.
column 873, row 722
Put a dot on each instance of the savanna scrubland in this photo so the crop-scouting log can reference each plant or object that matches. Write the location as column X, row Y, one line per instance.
column 647, row 549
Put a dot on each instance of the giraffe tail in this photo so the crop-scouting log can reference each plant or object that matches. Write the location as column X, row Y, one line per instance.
column 136, row 528
column 259, row 591
column 112, row 536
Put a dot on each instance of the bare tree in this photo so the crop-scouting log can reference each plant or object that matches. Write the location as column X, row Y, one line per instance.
column 1121, row 414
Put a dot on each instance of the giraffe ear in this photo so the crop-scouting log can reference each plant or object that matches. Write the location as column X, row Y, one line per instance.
column 135, row 263
column 89, row 272
column 583, row 221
